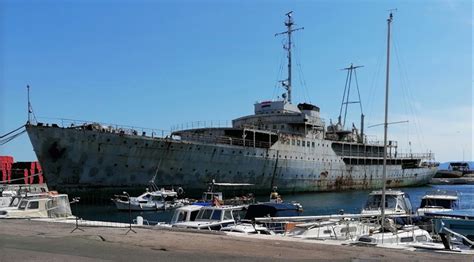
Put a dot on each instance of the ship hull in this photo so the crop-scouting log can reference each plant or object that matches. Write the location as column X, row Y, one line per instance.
column 89, row 159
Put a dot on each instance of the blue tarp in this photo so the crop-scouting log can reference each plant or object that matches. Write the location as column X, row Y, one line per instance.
column 445, row 165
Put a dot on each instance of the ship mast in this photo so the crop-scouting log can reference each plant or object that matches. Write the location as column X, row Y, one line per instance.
column 289, row 25
column 351, row 70
column 384, row 173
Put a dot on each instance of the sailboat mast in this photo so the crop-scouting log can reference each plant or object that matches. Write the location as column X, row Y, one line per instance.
column 289, row 25
column 384, row 173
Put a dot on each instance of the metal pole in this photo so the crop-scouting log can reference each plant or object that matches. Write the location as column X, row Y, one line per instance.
column 75, row 200
column 384, row 173
column 129, row 214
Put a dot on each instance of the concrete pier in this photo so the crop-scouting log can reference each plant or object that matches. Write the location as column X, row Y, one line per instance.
column 26, row 240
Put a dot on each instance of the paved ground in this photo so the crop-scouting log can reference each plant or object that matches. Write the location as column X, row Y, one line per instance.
column 22, row 240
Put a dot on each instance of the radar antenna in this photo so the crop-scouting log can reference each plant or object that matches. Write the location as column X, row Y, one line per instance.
column 289, row 25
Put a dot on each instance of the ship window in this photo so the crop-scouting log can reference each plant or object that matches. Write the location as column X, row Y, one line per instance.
column 298, row 142
column 292, row 141
column 282, row 126
column 312, row 144
column 274, row 127
column 307, row 143
column 303, row 143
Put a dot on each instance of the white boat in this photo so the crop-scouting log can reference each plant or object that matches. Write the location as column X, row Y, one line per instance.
column 438, row 201
column 212, row 218
column 335, row 229
column 149, row 201
column 396, row 203
column 248, row 229
column 42, row 206
column 407, row 235
column 15, row 192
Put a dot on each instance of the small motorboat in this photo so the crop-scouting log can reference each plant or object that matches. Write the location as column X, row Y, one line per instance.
column 396, row 203
column 212, row 218
column 438, row 201
column 149, row 201
column 51, row 205
column 182, row 214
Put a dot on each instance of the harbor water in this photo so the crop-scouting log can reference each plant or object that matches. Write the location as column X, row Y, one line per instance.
column 313, row 204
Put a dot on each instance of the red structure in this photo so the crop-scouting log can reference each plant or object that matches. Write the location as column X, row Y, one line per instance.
column 20, row 172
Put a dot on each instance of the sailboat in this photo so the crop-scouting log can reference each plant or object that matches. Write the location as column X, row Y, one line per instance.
column 389, row 233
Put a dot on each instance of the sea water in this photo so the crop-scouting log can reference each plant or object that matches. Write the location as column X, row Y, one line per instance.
column 322, row 203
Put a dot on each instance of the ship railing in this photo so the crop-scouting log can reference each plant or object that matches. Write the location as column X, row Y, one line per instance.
column 390, row 155
column 225, row 140
column 201, row 124
column 109, row 128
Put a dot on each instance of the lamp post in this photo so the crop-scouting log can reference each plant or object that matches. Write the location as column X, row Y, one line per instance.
column 75, row 200
column 129, row 213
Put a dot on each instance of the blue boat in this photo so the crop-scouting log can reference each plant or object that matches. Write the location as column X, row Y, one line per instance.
column 455, row 223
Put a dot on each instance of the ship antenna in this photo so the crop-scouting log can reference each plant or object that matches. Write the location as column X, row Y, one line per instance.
column 289, row 25
column 31, row 115
column 29, row 105
column 384, row 172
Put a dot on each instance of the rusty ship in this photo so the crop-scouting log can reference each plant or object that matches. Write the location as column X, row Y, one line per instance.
column 282, row 144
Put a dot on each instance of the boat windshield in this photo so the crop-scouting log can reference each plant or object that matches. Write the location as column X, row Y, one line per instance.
column 374, row 202
column 444, row 203
column 156, row 198
column 15, row 201
column 179, row 216
column 209, row 214
column 23, row 204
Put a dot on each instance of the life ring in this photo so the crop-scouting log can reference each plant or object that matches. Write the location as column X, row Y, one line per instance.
column 180, row 191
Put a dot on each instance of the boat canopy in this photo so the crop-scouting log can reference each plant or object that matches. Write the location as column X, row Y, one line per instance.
column 272, row 210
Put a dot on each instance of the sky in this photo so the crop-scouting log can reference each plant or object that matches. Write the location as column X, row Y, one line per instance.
column 158, row 63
